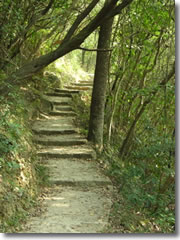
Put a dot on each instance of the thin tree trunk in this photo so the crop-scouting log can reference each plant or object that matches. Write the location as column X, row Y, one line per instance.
column 138, row 115
column 96, row 123
column 114, row 103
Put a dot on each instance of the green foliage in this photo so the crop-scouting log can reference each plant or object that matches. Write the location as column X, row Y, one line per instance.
column 42, row 174
column 141, row 194
column 5, row 145
column 20, row 173
column 143, row 119
column 143, row 53
column 81, row 105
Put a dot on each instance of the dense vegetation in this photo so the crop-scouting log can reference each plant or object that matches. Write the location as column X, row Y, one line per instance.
column 138, row 110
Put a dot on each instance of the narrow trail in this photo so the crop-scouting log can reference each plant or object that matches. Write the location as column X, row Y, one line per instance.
column 79, row 198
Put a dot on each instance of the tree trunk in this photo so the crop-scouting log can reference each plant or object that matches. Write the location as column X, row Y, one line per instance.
column 83, row 58
column 96, row 123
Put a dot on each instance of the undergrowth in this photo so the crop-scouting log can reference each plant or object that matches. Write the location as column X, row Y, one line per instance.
column 144, row 199
column 22, row 176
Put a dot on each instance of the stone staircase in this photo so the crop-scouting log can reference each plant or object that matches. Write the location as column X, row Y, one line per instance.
column 80, row 86
column 79, row 198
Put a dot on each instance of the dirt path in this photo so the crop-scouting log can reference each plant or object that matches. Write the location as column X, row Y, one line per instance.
column 79, row 199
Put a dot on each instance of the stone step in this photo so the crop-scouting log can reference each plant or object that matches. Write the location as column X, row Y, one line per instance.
column 88, row 82
column 54, row 126
column 82, row 84
column 51, row 131
column 78, row 88
column 51, row 122
column 63, row 113
column 72, row 210
column 63, row 108
column 65, row 91
column 57, row 94
column 83, row 152
column 76, row 173
column 59, row 100
column 60, row 140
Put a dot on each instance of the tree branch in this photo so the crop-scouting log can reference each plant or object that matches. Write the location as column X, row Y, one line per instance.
column 107, row 12
column 79, row 19
column 48, row 7
column 119, row 8
column 95, row 50
column 67, row 46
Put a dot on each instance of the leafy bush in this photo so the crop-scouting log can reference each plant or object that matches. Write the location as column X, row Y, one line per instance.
column 145, row 191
